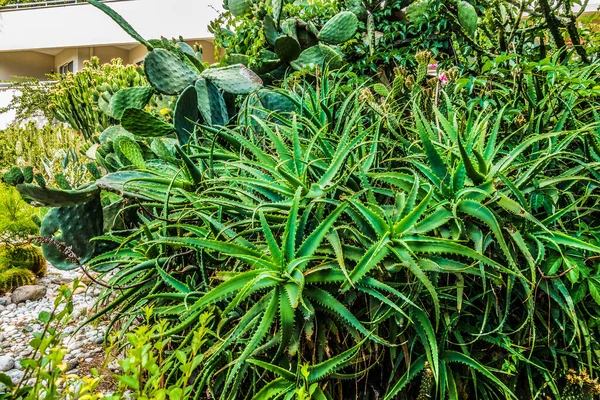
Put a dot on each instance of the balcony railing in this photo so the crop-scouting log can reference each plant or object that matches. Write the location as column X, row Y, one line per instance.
column 44, row 4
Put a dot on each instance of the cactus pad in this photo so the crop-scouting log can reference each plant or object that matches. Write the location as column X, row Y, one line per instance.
column 340, row 28
column 318, row 56
column 163, row 149
column 132, row 151
column 417, row 10
column 28, row 174
column 92, row 168
column 144, row 124
column 50, row 197
column 62, row 182
column 287, row 48
column 14, row 176
column 239, row 8
column 75, row 226
column 39, row 179
column 167, row 73
column 275, row 101
column 467, row 16
column 132, row 97
column 270, row 30
column 236, row 79
column 186, row 115
column 211, row 103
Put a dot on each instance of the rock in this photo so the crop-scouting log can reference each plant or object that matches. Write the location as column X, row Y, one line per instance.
column 72, row 364
column 6, row 363
column 15, row 374
column 11, row 306
column 29, row 292
column 114, row 366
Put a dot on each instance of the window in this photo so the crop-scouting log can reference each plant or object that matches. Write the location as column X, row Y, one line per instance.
column 66, row 68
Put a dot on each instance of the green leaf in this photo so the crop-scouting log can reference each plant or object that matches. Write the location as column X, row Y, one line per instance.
column 454, row 356
column 174, row 283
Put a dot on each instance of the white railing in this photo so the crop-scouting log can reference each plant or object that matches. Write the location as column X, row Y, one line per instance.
column 44, row 4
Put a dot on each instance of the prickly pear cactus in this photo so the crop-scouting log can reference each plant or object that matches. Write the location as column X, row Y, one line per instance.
column 168, row 73
column 62, row 182
column 28, row 174
column 239, row 8
column 467, row 16
column 339, row 29
column 235, row 79
column 14, row 176
column 74, row 226
column 132, row 151
column 321, row 56
column 133, row 97
column 143, row 124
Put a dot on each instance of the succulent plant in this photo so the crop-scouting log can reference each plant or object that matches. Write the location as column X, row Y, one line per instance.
column 13, row 278
column 14, row 176
column 75, row 226
column 25, row 256
column 297, row 43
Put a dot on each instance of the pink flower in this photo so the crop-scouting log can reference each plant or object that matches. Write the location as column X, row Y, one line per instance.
column 444, row 79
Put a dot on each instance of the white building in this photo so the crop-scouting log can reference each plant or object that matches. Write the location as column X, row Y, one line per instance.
column 58, row 35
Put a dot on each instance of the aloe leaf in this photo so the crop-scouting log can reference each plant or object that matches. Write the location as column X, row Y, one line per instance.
column 173, row 282
column 482, row 213
column 411, row 218
column 437, row 164
column 287, row 320
column 373, row 256
column 333, row 306
column 273, row 389
column 454, row 356
column 313, row 241
column 372, row 218
column 277, row 370
column 415, row 269
column 326, row 368
column 413, row 370
column 271, row 242
column 259, row 335
column 289, row 235
column 476, row 176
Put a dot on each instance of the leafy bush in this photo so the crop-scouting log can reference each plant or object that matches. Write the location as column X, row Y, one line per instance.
column 52, row 150
column 390, row 33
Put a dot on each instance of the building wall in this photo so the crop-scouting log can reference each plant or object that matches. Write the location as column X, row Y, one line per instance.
column 137, row 54
column 25, row 64
column 106, row 53
column 80, row 25
column 66, row 56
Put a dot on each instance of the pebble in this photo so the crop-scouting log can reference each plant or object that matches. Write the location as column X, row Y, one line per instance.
column 6, row 363
column 19, row 321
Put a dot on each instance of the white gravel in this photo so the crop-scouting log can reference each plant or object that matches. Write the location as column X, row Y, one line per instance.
column 19, row 322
